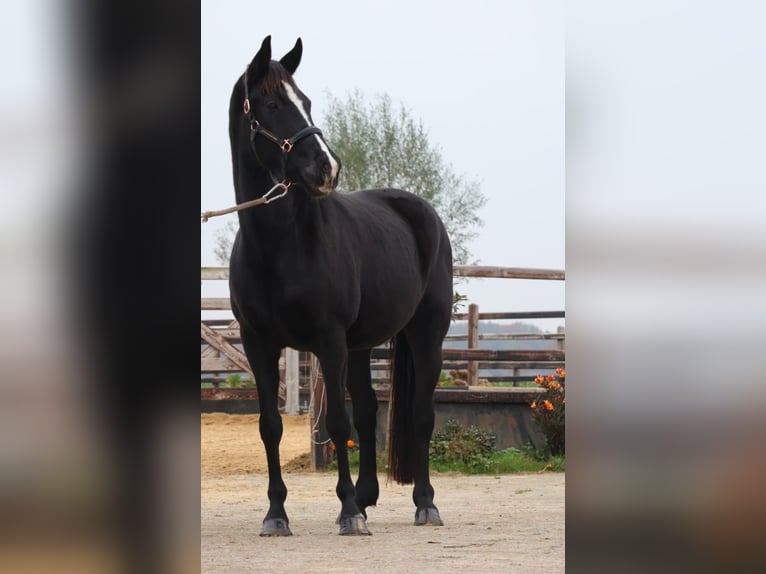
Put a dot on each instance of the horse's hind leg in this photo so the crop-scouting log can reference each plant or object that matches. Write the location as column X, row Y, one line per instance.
column 365, row 405
column 424, row 336
column 265, row 364
column 427, row 369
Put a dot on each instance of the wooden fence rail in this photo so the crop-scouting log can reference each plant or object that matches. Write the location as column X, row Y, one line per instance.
column 507, row 272
column 211, row 273
column 509, row 337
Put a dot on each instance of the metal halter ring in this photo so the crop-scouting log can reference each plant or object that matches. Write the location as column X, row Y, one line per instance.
column 247, row 105
column 285, row 185
column 286, row 146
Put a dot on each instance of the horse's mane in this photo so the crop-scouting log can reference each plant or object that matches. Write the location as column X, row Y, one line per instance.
column 272, row 82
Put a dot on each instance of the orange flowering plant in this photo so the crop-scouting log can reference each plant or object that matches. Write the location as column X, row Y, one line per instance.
column 548, row 409
column 352, row 448
column 350, row 445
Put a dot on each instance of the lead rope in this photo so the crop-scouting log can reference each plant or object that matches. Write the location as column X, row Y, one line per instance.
column 285, row 185
column 314, row 430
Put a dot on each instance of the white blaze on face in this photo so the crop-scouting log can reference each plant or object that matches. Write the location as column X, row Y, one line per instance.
column 298, row 103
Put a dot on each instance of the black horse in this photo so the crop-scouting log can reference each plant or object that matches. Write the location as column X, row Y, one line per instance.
column 335, row 274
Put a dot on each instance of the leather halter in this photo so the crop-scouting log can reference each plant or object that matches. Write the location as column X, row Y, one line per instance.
column 285, row 144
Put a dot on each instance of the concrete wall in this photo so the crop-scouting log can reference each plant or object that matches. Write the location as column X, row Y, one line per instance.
column 503, row 412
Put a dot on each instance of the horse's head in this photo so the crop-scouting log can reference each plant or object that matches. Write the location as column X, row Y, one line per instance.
column 267, row 104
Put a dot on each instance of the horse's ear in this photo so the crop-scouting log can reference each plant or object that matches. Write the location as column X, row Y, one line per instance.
column 260, row 64
column 291, row 60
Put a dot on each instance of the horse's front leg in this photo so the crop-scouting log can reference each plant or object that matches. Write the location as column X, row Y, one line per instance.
column 334, row 361
column 265, row 364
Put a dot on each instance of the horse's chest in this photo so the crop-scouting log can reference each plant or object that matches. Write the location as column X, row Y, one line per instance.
column 293, row 308
column 295, row 312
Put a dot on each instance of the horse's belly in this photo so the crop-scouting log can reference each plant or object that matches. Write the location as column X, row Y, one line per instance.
column 299, row 314
column 380, row 319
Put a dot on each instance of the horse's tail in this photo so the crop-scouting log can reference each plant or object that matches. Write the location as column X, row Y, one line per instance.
column 401, row 452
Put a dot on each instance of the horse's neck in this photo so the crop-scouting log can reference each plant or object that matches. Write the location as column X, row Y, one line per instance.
column 251, row 182
column 281, row 224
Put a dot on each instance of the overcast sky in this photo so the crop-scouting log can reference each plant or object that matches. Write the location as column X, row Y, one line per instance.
column 485, row 78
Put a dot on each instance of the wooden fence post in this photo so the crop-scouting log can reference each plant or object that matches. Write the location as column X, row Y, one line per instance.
column 291, row 381
column 281, row 393
column 560, row 331
column 473, row 342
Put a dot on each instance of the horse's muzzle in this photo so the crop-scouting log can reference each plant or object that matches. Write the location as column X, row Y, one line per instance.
column 329, row 170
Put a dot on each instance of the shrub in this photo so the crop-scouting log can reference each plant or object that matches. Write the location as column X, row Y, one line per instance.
column 234, row 380
column 454, row 443
column 457, row 301
column 549, row 408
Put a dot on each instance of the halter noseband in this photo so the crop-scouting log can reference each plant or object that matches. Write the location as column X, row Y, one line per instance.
column 285, row 144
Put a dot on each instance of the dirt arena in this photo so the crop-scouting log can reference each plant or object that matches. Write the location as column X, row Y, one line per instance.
column 508, row 523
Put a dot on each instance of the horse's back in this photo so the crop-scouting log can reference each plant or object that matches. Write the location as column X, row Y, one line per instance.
column 392, row 210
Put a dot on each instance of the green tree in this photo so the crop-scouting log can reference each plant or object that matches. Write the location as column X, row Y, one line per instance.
column 385, row 147
column 224, row 239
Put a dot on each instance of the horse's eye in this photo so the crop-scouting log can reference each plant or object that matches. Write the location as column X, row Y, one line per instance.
column 272, row 105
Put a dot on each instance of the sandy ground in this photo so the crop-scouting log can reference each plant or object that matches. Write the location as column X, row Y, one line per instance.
column 231, row 444
column 508, row 523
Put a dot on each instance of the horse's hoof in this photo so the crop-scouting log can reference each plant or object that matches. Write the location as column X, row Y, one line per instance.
column 275, row 527
column 337, row 520
column 430, row 516
column 353, row 526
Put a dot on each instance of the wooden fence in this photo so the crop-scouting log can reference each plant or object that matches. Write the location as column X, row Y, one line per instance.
column 222, row 354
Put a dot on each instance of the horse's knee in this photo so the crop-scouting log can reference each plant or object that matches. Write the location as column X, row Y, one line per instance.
column 270, row 427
